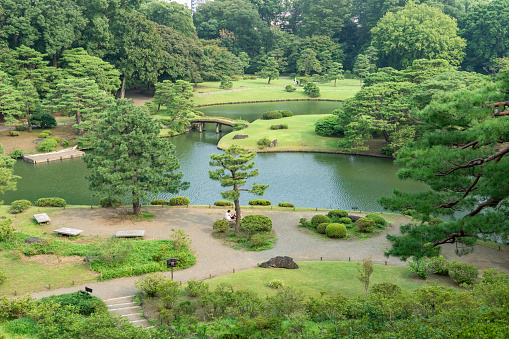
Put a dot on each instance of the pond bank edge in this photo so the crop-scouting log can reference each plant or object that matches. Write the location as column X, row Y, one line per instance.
column 260, row 101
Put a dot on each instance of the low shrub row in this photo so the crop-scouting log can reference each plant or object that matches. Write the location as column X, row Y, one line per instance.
column 223, row 203
column 259, row 202
column 159, row 202
column 460, row 273
column 51, row 202
column 179, row 201
column 280, row 126
column 363, row 226
column 277, row 114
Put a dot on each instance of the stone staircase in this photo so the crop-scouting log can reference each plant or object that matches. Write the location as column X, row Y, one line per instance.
column 126, row 307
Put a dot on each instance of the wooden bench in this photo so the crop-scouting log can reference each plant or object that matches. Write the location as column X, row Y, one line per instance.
column 130, row 234
column 68, row 231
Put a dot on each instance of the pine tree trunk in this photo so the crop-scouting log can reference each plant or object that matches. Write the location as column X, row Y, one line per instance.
column 55, row 60
column 122, row 90
column 78, row 120
column 335, row 79
column 237, row 215
column 136, row 207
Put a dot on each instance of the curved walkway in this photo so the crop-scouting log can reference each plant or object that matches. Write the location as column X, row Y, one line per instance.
column 215, row 259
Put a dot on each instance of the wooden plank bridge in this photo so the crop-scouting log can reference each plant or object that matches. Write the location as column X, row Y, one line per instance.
column 201, row 121
column 68, row 153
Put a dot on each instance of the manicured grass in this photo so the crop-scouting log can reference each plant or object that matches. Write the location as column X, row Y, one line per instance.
column 313, row 277
column 254, row 90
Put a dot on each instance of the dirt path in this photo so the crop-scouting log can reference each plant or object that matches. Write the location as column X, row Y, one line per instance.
column 215, row 259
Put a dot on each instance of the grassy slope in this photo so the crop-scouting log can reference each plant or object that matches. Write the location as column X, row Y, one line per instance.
column 312, row 277
column 300, row 136
column 259, row 90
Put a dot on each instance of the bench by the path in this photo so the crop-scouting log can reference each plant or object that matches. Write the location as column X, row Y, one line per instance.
column 130, row 234
column 68, row 231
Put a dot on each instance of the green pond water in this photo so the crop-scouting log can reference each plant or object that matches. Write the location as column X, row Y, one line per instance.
column 304, row 179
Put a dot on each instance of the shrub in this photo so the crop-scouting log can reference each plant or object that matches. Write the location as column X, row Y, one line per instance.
column 439, row 265
column 45, row 120
column 149, row 284
column 276, row 284
column 252, row 77
column 159, row 202
column 66, row 143
column 462, row 273
column 20, row 128
column 43, row 135
column 303, row 81
column 199, row 113
column 196, row 288
column 335, row 230
column 221, row 225
column 312, row 90
column 19, row 206
column 6, row 229
column 57, row 139
column 286, row 113
column 345, row 220
column 226, row 83
column 259, row 202
column 23, row 327
column 272, row 115
column 337, row 213
column 327, row 126
column 51, row 202
column 13, row 133
column 290, row 88
column 386, row 289
column 16, row 154
column 223, row 203
column 48, row 132
column 365, row 225
column 179, row 201
column 47, row 146
column 263, row 142
column 321, row 227
column 256, row 223
column 279, row 126
column 285, row 204
column 84, row 304
column 110, row 202
column 494, row 276
column 259, row 239
column 420, row 266
column 319, row 219
column 376, row 218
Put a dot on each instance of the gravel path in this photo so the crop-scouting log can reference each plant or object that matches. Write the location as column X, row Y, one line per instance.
column 215, row 259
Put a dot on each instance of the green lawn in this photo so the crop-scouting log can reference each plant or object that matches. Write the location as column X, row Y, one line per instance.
column 259, row 90
column 312, row 277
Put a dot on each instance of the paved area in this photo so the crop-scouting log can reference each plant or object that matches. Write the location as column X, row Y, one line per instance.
column 214, row 259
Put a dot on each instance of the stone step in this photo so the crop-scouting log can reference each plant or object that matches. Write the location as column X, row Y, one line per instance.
column 127, row 308
column 119, row 300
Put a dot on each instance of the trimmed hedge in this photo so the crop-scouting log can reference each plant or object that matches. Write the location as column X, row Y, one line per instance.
column 51, row 202
column 365, row 225
column 110, row 202
column 376, row 218
column 256, row 223
column 19, row 206
column 223, row 203
column 179, row 201
column 272, row 115
column 285, row 204
column 221, row 225
column 345, row 220
column 335, row 230
column 319, row 219
column 321, row 227
column 20, row 128
column 286, row 113
column 259, row 202
column 280, row 126
column 337, row 213
column 159, row 202
column 290, row 88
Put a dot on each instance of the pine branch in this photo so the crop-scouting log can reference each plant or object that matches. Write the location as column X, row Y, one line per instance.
column 476, row 162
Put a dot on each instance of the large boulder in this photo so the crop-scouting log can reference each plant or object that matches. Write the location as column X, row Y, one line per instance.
column 280, row 262
column 354, row 218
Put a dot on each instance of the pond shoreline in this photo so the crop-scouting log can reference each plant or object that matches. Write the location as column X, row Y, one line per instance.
column 270, row 150
column 261, row 101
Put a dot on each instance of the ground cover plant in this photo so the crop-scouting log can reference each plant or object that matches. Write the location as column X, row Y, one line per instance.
column 327, row 300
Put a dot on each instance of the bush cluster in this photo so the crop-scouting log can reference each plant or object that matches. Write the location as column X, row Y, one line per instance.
column 276, row 284
column 312, row 90
column 19, row 206
column 159, row 202
column 13, row 133
column 16, row 154
column 256, row 223
column 221, row 225
column 179, row 201
column 321, row 227
column 250, row 77
column 45, row 120
column 345, row 220
column 335, row 230
column 223, row 203
column 280, row 126
column 20, row 128
column 277, row 114
column 47, row 145
column 110, row 202
column 319, row 219
column 328, row 126
column 290, row 88
column 259, row 202
column 337, row 213
column 285, row 204
column 462, row 273
column 365, row 225
column 264, row 142
column 51, row 202
column 379, row 221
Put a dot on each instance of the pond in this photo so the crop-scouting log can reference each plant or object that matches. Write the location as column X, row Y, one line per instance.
column 304, row 179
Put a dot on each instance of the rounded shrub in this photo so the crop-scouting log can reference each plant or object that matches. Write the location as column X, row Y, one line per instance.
column 376, row 218
column 13, row 133
column 47, row 131
column 221, row 225
column 335, row 230
column 365, row 225
column 47, row 146
column 199, row 113
column 19, row 206
column 290, row 88
column 439, row 265
column 286, row 113
column 20, row 128
column 272, row 115
column 321, row 227
column 57, row 139
column 110, row 202
column 179, row 201
column 51, row 202
column 276, row 284
column 312, row 90
column 285, row 204
column 337, row 213
column 259, row 202
column 345, row 220
column 223, row 203
column 263, row 142
column 16, row 154
column 319, row 219
column 159, row 202
column 256, row 223
column 43, row 135
column 462, row 273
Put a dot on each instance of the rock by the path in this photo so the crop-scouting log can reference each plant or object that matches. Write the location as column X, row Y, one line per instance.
column 280, row 262
column 34, row 240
